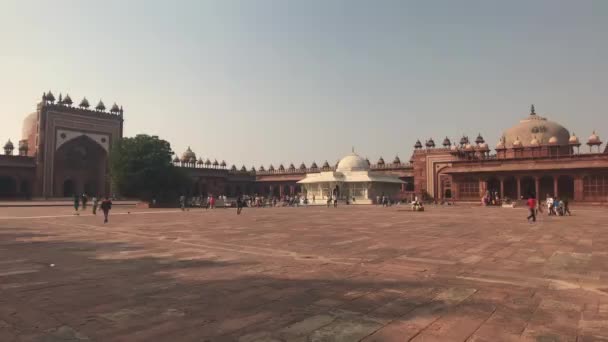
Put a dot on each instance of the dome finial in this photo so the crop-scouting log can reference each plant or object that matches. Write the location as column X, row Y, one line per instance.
column 532, row 110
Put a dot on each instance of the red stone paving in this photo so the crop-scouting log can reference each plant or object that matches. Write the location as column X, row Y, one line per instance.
column 303, row 274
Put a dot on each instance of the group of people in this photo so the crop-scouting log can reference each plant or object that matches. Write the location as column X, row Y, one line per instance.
column 555, row 207
column 383, row 200
column 491, row 198
column 105, row 206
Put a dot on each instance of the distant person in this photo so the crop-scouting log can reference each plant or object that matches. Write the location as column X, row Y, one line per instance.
column 550, row 210
column 239, row 205
column 95, row 203
column 106, row 206
column 566, row 206
column 84, row 201
column 76, row 203
column 556, row 202
column 182, row 202
column 532, row 207
column 211, row 202
column 313, row 199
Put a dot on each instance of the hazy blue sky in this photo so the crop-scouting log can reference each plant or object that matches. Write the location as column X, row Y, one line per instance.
column 288, row 81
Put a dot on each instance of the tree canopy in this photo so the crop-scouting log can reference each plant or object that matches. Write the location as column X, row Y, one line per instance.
column 141, row 167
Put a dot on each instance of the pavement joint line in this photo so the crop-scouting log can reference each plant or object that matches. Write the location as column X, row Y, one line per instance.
column 87, row 215
column 237, row 248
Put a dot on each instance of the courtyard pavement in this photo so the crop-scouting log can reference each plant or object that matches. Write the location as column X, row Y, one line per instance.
column 303, row 274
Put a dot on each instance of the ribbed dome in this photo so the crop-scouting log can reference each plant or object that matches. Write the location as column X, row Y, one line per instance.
column 454, row 147
column 517, row 143
column 594, row 139
column 501, row 144
column 573, row 140
column 352, row 162
column 553, row 141
column 469, row 147
column 536, row 126
column 446, row 142
column 534, row 142
column 188, row 154
column 483, row 146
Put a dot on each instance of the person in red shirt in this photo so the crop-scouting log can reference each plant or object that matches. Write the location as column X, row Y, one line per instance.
column 532, row 207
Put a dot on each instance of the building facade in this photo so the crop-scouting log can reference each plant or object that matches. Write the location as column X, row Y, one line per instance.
column 65, row 150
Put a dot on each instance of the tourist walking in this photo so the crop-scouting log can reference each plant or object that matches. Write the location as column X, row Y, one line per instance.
column 211, row 202
column 76, row 203
column 532, row 208
column 95, row 203
column 550, row 205
column 239, row 205
column 106, row 206
column 182, row 202
column 566, row 207
column 84, row 201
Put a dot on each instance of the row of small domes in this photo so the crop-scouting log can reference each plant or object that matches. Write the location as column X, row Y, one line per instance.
column 447, row 143
column 594, row 139
column 189, row 157
column 84, row 103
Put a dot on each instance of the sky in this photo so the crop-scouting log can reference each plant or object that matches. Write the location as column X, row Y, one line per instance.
column 278, row 81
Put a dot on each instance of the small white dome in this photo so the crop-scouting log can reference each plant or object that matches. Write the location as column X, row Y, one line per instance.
column 483, row 146
column 573, row 139
column 352, row 162
column 534, row 142
column 553, row 140
column 517, row 142
column 594, row 139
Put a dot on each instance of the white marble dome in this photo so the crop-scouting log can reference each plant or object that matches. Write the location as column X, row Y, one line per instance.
column 352, row 162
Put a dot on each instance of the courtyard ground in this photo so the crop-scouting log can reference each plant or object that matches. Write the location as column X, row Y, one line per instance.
column 303, row 274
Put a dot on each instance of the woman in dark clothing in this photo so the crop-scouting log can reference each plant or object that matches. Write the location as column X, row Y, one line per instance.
column 106, row 205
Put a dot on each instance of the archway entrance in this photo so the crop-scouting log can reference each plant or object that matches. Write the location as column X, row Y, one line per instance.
column 528, row 187
column 510, row 188
column 493, row 185
column 546, row 187
column 565, row 187
column 68, row 188
column 25, row 189
column 82, row 162
column 8, row 187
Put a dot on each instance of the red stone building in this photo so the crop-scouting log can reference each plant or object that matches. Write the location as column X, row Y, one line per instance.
column 65, row 149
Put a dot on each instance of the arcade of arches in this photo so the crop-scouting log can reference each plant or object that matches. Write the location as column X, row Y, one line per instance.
column 588, row 187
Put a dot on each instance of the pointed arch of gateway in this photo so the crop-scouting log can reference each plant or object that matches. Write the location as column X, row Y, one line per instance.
column 80, row 165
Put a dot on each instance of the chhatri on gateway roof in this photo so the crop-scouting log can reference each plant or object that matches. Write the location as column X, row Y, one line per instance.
column 535, row 157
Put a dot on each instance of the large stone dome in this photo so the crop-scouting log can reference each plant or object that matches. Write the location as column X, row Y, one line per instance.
column 536, row 127
column 352, row 162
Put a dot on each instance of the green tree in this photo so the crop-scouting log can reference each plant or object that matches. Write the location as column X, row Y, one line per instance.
column 141, row 168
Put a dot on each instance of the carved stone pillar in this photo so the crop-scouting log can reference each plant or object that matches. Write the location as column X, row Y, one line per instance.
column 537, row 187
column 578, row 188
column 502, row 187
column 518, row 187
column 483, row 187
column 555, row 187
